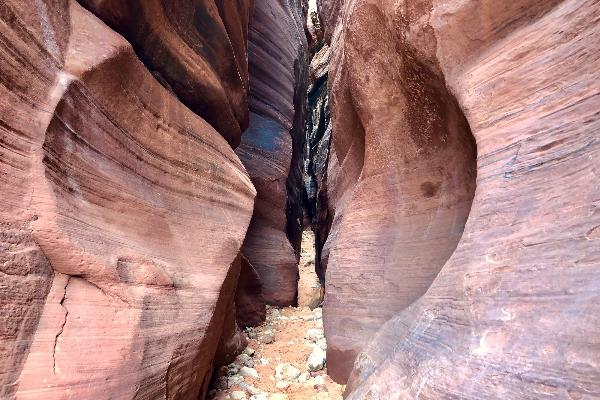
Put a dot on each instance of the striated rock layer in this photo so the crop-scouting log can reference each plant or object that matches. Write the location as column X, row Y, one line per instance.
column 195, row 48
column 121, row 213
column 514, row 311
column 271, row 148
column 400, row 181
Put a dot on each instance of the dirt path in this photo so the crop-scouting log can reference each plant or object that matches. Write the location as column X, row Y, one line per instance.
column 285, row 357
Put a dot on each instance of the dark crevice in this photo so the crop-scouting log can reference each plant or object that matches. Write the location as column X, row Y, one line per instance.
column 318, row 137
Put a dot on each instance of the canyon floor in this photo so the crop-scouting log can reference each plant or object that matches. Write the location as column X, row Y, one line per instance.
column 285, row 357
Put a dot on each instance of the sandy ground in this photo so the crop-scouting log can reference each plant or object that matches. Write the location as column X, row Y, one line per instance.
column 310, row 293
column 284, row 343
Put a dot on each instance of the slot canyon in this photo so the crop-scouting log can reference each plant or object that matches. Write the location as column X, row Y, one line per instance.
column 299, row 199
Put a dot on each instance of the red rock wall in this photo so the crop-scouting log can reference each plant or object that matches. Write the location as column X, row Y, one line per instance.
column 513, row 312
column 197, row 49
column 400, row 181
column 271, row 148
column 121, row 213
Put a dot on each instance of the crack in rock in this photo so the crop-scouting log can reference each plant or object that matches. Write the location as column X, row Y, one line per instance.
column 62, row 327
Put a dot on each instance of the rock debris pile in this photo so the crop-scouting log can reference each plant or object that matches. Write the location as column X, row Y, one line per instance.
column 285, row 359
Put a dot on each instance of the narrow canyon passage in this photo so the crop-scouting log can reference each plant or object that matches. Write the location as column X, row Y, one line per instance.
column 285, row 356
column 299, row 199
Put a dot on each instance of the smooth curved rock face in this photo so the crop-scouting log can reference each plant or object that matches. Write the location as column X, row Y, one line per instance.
column 196, row 48
column 271, row 148
column 250, row 303
column 121, row 214
column 400, row 181
column 514, row 312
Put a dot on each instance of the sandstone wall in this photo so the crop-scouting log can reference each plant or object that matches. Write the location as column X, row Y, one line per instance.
column 121, row 213
column 197, row 49
column 513, row 311
column 272, row 147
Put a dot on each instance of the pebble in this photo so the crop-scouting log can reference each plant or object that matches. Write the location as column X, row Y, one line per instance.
column 232, row 369
column 234, row 380
column 246, row 360
column 318, row 380
column 303, row 377
column 238, row 395
column 322, row 343
column 267, row 338
column 314, row 334
column 286, row 372
column 316, row 360
column 264, row 361
column 260, row 396
column 249, row 351
column 281, row 384
column 249, row 372
column 252, row 390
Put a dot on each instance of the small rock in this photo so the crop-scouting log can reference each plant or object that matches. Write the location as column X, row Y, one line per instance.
column 249, row 351
column 252, row 390
column 238, row 395
column 263, row 361
column 318, row 380
column 281, row 384
column 246, row 360
column 286, row 372
column 314, row 334
column 316, row 360
column 232, row 369
column 251, row 335
column 322, row 343
column 249, row 372
column 267, row 338
column 275, row 313
column 234, row 380
column 260, row 396
column 278, row 396
column 303, row 377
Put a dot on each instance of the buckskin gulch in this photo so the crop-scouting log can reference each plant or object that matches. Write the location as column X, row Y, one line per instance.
column 293, row 199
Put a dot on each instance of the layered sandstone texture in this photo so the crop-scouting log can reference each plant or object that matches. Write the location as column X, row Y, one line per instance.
column 195, row 48
column 400, row 180
column 122, row 213
column 513, row 312
column 271, row 148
